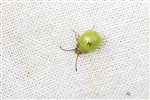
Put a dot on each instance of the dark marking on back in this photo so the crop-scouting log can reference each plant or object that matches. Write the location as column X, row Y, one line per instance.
column 89, row 43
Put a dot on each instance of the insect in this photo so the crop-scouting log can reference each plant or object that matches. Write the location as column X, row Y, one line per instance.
column 87, row 42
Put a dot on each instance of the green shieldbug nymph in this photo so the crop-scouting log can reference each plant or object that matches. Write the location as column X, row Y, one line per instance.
column 88, row 41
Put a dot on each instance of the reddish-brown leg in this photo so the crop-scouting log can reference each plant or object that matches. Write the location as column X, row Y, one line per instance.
column 76, row 35
column 76, row 62
column 66, row 49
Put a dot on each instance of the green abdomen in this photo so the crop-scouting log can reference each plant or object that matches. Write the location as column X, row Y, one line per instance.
column 89, row 41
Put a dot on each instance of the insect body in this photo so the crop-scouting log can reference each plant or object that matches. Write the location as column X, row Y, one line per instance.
column 88, row 41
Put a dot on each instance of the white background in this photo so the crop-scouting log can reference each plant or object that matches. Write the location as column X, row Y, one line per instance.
column 35, row 67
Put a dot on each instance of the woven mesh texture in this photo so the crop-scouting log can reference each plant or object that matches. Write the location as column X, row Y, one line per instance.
column 35, row 67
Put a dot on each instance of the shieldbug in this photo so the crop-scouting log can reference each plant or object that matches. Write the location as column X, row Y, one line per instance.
column 88, row 41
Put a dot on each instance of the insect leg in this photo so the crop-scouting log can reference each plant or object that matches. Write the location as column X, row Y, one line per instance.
column 76, row 35
column 66, row 49
column 76, row 62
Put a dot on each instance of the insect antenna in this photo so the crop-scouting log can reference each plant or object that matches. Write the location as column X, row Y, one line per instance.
column 76, row 35
column 76, row 62
column 66, row 49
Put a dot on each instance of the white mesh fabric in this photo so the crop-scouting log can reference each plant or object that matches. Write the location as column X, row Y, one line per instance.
column 35, row 67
